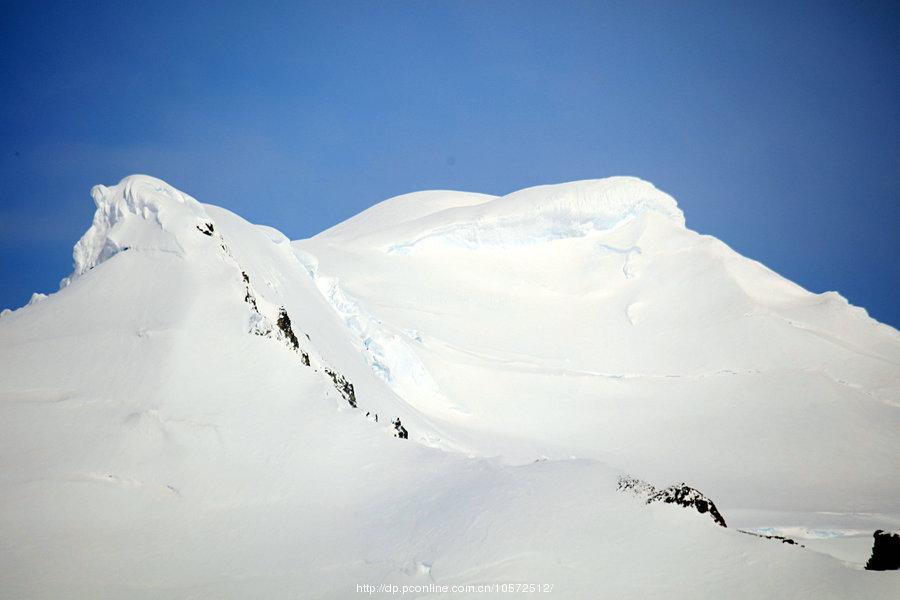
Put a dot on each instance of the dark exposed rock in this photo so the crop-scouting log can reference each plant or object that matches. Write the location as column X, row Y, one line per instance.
column 248, row 295
column 207, row 229
column 284, row 324
column 343, row 386
column 680, row 494
column 885, row 552
column 262, row 327
column 400, row 429
column 688, row 497
column 784, row 540
column 636, row 487
column 249, row 299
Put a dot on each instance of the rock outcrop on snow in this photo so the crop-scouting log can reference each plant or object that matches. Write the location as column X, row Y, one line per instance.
column 688, row 497
column 343, row 386
column 680, row 493
column 399, row 429
column 885, row 552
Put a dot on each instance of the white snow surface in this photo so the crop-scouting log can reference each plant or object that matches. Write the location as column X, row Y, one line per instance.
column 536, row 346
column 140, row 212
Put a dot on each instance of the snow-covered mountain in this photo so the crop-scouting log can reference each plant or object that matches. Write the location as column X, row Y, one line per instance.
column 207, row 409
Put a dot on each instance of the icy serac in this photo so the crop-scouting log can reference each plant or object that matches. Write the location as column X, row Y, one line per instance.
column 208, row 410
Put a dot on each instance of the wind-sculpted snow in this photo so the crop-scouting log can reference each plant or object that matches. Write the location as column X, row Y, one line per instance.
column 530, row 216
column 407, row 208
column 585, row 319
column 140, row 212
column 546, row 213
column 209, row 410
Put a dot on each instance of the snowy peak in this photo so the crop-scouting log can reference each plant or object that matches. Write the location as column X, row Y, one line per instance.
column 599, row 202
column 141, row 212
column 405, row 208
column 526, row 217
column 566, row 210
column 212, row 367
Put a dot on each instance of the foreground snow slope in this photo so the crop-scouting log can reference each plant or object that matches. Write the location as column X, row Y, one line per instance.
column 162, row 436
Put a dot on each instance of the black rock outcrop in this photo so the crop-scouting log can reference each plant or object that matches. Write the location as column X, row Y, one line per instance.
column 688, row 497
column 343, row 386
column 400, row 429
column 780, row 538
column 248, row 295
column 284, row 324
column 885, row 552
column 680, row 494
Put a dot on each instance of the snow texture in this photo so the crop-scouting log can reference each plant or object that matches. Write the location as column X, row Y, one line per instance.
column 445, row 389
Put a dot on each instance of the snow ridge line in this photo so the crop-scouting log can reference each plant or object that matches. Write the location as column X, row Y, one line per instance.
column 261, row 323
column 267, row 320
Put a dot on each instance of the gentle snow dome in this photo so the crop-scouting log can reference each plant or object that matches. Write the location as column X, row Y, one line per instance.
column 773, row 123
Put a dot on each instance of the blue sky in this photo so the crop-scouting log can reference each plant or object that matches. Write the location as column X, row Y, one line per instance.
column 775, row 125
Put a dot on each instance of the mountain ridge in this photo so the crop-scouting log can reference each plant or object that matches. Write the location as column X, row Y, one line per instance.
column 181, row 408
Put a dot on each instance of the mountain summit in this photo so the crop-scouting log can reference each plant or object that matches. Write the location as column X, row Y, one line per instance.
column 446, row 389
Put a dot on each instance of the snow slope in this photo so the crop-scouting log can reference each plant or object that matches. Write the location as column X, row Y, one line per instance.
column 585, row 319
column 165, row 432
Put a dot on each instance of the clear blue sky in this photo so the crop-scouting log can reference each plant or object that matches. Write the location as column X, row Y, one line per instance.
column 775, row 125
